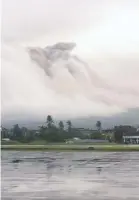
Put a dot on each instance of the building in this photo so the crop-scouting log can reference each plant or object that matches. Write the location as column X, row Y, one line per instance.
column 131, row 137
column 6, row 139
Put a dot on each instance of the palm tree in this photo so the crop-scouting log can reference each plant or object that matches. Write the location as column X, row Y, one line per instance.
column 69, row 125
column 61, row 125
column 49, row 121
column 17, row 131
column 98, row 125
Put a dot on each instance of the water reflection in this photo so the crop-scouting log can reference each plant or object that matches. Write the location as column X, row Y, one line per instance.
column 55, row 175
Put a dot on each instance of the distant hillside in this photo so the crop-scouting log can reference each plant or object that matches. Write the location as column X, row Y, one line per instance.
column 131, row 117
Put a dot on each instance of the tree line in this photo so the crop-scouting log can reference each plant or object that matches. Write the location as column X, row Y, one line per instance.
column 52, row 133
column 48, row 132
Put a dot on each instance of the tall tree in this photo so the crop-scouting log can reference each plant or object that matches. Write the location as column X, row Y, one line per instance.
column 42, row 132
column 24, row 131
column 17, row 133
column 118, row 134
column 69, row 125
column 61, row 125
column 49, row 121
column 98, row 125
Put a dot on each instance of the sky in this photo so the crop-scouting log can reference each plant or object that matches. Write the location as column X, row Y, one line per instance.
column 106, row 34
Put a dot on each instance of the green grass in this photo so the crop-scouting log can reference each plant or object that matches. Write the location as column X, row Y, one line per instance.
column 35, row 142
column 64, row 147
column 117, row 148
column 38, row 142
column 10, row 142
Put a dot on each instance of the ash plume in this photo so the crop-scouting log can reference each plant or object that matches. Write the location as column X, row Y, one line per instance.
column 86, row 81
column 55, row 80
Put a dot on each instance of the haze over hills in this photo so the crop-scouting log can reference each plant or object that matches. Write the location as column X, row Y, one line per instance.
column 131, row 117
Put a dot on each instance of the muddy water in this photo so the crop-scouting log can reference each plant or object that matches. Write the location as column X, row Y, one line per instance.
column 70, row 175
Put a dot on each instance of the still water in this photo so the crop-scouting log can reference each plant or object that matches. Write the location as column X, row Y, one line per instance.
column 70, row 175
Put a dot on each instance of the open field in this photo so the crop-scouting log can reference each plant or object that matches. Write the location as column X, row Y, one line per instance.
column 73, row 147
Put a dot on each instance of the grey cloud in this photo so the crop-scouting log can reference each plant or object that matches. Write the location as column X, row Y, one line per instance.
column 46, row 57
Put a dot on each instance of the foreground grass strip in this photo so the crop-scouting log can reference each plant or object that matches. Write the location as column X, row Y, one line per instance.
column 116, row 148
column 71, row 147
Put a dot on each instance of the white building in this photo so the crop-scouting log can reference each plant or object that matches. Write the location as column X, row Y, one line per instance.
column 132, row 139
column 6, row 139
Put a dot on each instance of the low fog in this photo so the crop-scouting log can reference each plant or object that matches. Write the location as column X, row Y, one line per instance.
column 54, row 64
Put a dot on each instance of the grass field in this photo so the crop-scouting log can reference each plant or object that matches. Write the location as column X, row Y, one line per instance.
column 73, row 147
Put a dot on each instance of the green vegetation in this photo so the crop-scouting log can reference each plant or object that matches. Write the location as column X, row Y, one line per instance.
column 98, row 125
column 71, row 147
column 49, row 133
column 11, row 142
column 61, row 137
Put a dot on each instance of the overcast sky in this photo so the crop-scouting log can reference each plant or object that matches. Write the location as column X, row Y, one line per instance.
column 106, row 33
